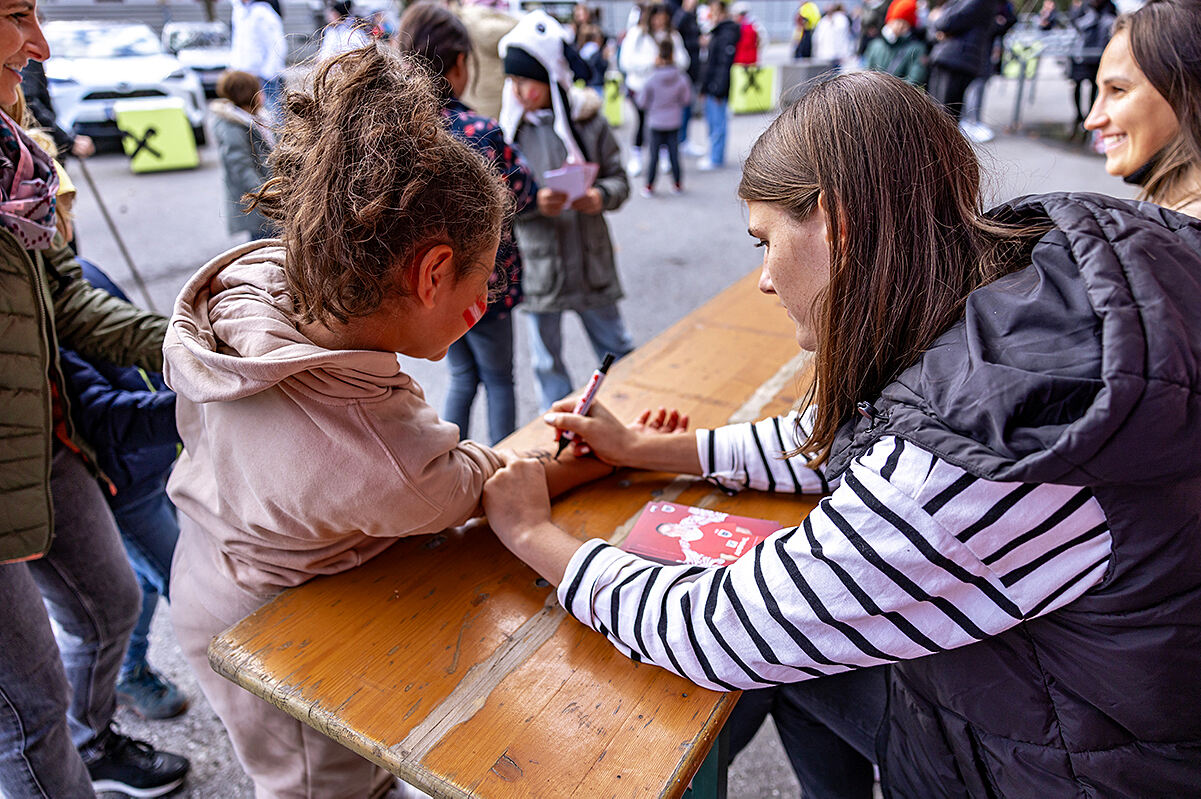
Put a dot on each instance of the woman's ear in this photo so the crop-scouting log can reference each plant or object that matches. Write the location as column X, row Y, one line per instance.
column 435, row 271
column 823, row 206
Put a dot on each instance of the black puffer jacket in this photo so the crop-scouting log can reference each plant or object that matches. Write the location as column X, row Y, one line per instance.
column 715, row 81
column 967, row 28
column 1082, row 369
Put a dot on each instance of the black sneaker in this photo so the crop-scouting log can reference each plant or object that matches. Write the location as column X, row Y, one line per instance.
column 117, row 762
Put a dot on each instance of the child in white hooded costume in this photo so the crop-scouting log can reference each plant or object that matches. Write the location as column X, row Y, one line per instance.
column 567, row 249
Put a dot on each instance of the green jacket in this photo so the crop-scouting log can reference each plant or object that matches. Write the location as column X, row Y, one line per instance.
column 45, row 302
column 905, row 58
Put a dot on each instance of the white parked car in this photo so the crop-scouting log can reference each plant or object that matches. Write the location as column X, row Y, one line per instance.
column 94, row 65
column 203, row 46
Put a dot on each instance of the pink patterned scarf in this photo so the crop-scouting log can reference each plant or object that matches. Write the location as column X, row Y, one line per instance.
column 28, row 185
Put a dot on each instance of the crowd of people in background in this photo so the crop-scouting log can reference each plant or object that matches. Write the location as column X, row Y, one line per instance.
column 97, row 527
column 950, row 48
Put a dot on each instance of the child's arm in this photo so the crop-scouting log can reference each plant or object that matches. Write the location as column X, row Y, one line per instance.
column 512, row 167
column 567, row 471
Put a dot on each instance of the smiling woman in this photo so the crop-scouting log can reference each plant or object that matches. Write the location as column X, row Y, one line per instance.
column 21, row 41
column 1148, row 112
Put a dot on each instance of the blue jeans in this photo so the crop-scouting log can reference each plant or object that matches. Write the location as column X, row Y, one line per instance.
column 606, row 332
column 149, row 532
column 828, row 727
column 716, row 120
column 973, row 98
column 684, row 123
column 484, row 355
column 52, row 702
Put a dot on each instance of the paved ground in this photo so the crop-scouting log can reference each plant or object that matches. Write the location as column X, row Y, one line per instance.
column 674, row 253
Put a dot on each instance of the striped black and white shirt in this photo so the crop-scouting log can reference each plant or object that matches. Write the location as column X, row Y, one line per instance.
column 909, row 555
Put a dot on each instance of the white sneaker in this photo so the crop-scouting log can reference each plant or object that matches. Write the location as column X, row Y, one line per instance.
column 692, row 149
column 705, row 165
column 634, row 165
column 977, row 131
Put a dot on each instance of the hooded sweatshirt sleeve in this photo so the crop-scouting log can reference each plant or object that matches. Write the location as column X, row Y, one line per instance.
column 445, row 476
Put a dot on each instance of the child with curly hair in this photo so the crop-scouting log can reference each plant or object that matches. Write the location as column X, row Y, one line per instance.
column 308, row 449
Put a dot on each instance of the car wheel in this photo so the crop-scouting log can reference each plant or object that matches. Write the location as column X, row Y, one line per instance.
column 200, row 136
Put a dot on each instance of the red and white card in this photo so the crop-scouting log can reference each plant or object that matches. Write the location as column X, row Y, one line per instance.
column 670, row 533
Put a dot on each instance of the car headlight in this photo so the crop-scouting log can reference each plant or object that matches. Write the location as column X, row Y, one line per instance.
column 178, row 74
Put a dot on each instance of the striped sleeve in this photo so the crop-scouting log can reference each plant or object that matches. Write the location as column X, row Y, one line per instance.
column 752, row 455
column 909, row 556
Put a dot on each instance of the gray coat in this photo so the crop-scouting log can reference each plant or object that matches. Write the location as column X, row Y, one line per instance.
column 569, row 261
column 243, row 151
column 968, row 27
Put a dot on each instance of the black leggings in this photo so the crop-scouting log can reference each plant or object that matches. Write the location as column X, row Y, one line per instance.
column 640, row 130
column 671, row 140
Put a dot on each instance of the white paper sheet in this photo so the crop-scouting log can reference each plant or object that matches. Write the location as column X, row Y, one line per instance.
column 571, row 179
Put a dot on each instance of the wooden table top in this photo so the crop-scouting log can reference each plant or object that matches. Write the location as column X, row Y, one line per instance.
column 448, row 662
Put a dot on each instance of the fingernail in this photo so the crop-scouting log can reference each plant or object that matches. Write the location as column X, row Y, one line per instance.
column 549, row 418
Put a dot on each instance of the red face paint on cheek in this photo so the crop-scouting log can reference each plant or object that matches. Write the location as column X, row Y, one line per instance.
column 474, row 313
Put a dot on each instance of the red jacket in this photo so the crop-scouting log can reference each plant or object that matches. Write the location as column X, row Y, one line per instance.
column 747, row 51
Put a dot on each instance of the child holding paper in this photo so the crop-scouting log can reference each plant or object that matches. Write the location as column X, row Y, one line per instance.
column 565, row 242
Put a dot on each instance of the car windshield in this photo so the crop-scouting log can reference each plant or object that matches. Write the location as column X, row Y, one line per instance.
column 197, row 38
column 116, row 42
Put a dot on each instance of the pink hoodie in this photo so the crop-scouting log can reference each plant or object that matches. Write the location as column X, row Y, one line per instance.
column 299, row 460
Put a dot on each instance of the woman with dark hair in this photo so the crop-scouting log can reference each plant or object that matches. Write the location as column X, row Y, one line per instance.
column 1002, row 594
column 485, row 354
column 1148, row 112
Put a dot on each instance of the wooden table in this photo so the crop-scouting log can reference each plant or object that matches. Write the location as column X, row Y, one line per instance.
column 448, row 662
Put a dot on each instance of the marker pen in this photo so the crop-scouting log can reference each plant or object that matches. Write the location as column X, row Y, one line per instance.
column 585, row 401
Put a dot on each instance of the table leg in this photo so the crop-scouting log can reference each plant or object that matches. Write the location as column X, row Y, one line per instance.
column 710, row 779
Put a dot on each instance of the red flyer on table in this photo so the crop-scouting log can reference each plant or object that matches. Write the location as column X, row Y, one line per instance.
column 671, row 533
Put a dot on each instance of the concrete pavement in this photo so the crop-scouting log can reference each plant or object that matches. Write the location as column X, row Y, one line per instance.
column 674, row 253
